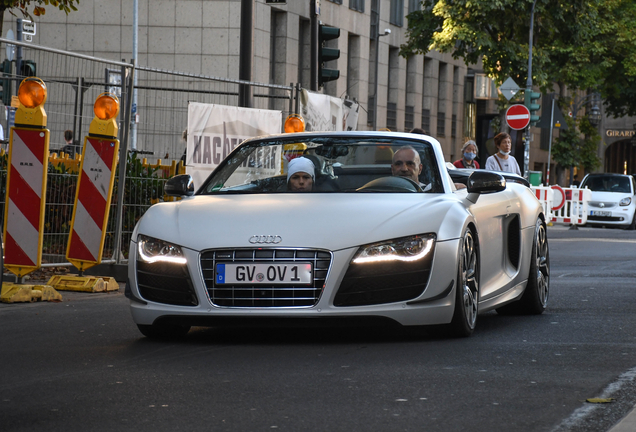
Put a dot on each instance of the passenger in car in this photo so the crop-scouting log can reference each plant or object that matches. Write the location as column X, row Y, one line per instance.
column 301, row 174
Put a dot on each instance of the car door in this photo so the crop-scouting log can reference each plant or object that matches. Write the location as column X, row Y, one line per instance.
column 497, row 226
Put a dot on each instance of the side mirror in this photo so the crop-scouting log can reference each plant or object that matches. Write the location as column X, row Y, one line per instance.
column 179, row 185
column 484, row 182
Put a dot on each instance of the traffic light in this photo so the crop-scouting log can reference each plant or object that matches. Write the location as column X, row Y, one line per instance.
column 531, row 102
column 5, row 84
column 326, row 54
column 28, row 68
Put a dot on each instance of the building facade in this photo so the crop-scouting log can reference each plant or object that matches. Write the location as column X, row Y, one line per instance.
column 449, row 100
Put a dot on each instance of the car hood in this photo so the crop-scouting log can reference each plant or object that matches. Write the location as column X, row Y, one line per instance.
column 329, row 221
column 610, row 196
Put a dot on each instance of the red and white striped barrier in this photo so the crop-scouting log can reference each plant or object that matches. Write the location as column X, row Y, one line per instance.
column 24, row 212
column 566, row 205
column 545, row 195
column 92, row 202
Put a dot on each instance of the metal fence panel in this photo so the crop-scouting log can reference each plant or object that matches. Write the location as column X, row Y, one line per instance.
column 74, row 82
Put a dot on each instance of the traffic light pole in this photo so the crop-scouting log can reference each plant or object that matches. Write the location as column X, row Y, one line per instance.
column 526, row 149
column 245, row 95
column 314, row 29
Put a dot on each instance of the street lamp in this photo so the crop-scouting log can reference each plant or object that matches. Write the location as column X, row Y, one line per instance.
column 377, row 57
column 594, row 116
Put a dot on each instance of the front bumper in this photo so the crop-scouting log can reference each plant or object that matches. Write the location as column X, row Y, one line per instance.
column 434, row 306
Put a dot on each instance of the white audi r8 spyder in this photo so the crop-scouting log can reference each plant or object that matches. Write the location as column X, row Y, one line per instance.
column 376, row 236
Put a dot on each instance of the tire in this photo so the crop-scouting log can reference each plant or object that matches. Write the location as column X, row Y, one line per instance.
column 535, row 297
column 467, row 287
column 163, row 331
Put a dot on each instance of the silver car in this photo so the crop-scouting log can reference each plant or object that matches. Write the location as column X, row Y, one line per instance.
column 372, row 239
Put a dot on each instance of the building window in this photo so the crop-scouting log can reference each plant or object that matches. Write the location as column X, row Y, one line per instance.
column 357, row 5
column 391, row 116
column 546, row 111
column 370, row 110
column 426, row 120
column 397, row 12
column 441, row 124
column 454, row 126
column 408, row 118
column 336, row 1
column 415, row 5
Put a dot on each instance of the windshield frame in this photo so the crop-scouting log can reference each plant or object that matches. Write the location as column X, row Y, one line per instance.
column 428, row 148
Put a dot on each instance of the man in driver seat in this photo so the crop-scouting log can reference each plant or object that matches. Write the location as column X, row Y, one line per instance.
column 407, row 163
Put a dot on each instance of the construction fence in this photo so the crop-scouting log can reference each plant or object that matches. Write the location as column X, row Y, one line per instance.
column 152, row 118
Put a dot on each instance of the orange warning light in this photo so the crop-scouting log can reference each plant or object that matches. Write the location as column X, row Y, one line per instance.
column 294, row 123
column 106, row 106
column 32, row 92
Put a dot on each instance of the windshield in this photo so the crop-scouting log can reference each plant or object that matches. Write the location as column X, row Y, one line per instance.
column 328, row 165
column 607, row 184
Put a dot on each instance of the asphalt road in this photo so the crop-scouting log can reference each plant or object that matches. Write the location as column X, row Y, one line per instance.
column 81, row 364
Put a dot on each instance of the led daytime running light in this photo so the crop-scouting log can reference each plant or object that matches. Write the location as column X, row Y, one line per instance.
column 159, row 258
column 385, row 258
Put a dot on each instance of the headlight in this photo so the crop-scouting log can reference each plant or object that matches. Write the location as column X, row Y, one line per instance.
column 625, row 201
column 152, row 250
column 403, row 249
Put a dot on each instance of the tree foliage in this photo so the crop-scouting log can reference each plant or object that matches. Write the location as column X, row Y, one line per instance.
column 570, row 149
column 579, row 44
column 35, row 7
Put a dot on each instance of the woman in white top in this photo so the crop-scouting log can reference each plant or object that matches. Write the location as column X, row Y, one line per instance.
column 502, row 161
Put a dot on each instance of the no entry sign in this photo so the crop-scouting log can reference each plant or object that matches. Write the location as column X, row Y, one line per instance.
column 518, row 117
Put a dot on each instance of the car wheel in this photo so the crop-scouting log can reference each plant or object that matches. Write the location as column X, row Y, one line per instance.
column 535, row 298
column 163, row 331
column 467, row 292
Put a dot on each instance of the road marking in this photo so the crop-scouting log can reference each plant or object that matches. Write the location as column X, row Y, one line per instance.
column 580, row 414
column 592, row 239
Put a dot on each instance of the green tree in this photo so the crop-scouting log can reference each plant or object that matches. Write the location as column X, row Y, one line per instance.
column 576, row 44
column 570, row 149
column 35, row 7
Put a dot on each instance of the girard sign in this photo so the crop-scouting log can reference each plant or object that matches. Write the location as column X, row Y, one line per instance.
column 620, row 133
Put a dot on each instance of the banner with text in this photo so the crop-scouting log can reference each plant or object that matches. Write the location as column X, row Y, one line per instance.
column 327, row 113
column 215, row 130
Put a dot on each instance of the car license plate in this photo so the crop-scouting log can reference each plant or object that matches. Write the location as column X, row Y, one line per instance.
column 264, row 273
column 600, row 213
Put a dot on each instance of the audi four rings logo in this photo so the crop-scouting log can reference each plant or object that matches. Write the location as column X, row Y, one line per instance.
column 266, row 239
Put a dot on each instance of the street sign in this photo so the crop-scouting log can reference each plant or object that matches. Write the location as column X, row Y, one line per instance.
column 509, row 88
column 518, row 117
column 558, row 121
column 28, row 27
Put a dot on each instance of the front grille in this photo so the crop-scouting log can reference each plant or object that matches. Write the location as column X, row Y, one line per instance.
column 606, row 218
column 260, row 295
column 166, row 283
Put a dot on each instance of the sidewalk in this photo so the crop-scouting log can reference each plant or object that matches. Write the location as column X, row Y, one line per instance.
column 627, row 424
